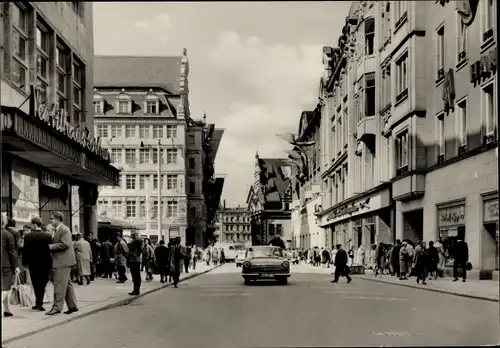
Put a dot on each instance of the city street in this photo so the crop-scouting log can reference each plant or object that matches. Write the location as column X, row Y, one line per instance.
column 217, row 310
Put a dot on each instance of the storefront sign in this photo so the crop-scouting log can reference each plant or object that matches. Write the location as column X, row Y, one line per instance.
column 344, row 210
column 58, row 119
column 490, row 211
column 6, row 121
column 452, row 216
column 484, row 67
column 51, row 180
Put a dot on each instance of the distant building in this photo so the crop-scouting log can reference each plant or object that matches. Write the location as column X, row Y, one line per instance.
column 51, row 160
column 269, row 199
column 235, row 225
column 140, row 110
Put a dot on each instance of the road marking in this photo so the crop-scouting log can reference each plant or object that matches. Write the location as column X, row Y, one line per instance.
column 395, row 333
column 225, row 294
column 353, row 292
column 376, row 298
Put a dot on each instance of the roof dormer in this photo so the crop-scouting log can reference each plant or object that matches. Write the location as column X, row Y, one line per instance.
column 98, row 103
column 123, row 103
column 152, row 103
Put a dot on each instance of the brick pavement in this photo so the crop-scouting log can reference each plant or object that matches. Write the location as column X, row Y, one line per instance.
column 100, row 295
column 473, row 288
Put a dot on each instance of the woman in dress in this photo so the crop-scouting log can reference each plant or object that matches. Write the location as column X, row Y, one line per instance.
column 83, row 256
column 441, row 254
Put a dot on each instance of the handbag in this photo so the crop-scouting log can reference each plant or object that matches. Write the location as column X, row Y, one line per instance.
column 468, row 266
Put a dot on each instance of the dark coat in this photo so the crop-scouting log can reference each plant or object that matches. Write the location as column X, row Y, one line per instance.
column 460, row 252
column 174, row 259
column 9, row 260
column 340, row 258
column 135, row 251
column 107, row 251
column 278, row 242
column 36, row 251
column 395, row 255
column 161, row 258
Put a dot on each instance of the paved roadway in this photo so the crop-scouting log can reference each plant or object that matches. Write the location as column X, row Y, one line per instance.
column 217, row 310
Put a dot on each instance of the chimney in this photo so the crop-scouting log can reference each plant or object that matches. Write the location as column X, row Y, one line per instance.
column 224, row 204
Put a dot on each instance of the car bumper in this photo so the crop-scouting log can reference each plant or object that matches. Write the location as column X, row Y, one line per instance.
column 265, row 275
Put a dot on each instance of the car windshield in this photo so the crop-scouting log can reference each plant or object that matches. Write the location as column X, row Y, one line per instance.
column 265, row 252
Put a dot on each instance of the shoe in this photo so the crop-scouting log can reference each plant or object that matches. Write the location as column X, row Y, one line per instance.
column 455, row 279
column 53, row 312
column 7, row 314
column 424, row 283
column 133, row 293
column 349, row 280
column 71, row 311
column 88, row 281
column 333, row 281
column 418, row 280
column 120, row 282
column 463, row 280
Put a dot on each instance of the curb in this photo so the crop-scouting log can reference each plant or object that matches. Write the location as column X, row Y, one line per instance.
column 118, row 303
column 449, row 292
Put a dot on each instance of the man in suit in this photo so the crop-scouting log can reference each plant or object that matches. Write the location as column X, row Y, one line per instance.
column 134, row 262
column 460, row 253
column 9, row 266
column 38, row 259
column 107, row 255
column 175, row 256
column 341, row 265
column 63, row 256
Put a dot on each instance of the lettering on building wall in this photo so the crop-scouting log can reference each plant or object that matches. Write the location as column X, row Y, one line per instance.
column 483, row 68
column 51, row 180
column 452, row 216
column 57, row 118
column 343, row 210
column 490, row 211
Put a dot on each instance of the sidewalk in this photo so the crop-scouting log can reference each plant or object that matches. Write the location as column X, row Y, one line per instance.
column 479, row 289
column 100, row 295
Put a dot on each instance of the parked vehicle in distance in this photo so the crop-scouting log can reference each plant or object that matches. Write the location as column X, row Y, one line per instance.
column 265, row 262
column 230, row 250
column 240, row 257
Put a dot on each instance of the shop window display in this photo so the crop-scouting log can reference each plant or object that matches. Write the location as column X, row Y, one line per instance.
column 25, row 196
column 451, row 225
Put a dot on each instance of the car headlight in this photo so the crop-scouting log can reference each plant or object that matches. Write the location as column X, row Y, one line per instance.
column 286, row 264
column 246, row 264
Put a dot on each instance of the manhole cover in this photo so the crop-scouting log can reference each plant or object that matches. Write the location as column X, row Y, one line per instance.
column 395, row 333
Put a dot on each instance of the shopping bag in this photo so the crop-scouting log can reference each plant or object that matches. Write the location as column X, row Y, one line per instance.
column 26, row 295
column 14, row 291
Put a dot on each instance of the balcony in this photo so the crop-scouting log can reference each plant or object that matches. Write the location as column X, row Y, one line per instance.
column 366, row 127
column 408, row 186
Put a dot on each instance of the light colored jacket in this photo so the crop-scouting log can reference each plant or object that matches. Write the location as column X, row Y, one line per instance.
column 63, row 254
column 83, row 251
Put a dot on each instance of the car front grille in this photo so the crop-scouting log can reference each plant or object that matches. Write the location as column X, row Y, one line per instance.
column 268, row 268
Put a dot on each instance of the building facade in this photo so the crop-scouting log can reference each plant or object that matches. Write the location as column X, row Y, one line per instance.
column 269, row 200
column 203, row 188
column 50, row 158
column 141, row 118
column 234, row 225
column 409, row 128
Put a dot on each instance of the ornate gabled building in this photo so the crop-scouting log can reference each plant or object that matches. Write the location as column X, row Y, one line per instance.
column 269, row 199
column 204, row 189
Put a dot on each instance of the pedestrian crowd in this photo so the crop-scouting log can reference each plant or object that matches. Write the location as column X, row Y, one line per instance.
column 42, row 253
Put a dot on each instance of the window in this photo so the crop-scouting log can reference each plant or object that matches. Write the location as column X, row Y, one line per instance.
column 340, row 136
column 171, row 131
column 123, row 107
column 488, row 19
column 130, row 131
column 78, row 83
column 116, row 130
column 440, row 51
column 369, row 36
column 192, row 163
column 42, row 57
column 402, row 152
column 155, row 156
column 386, row 14
column 142, row 209
column 401, row 78
column 345, row 131
column 385, row 85
column 130, row 182
column 117, row 208
column 190, row 139
column 144, row 156
column 154, row 209
column 370, row 94
column 152, row 107
column 97, row 107
column 488, row 102
column 62, row 60
column 171, row 155
column 272, row 230
column 143, row 131
column 20, row 64
column 130, row 212
column 157, row 131
column 142, row 181
column 462, row 122
column 461, row 39
column 400, row 8
column 130, row 156
column 440, row 134
column 172, row 209
column 192, row 188
column 171, row 182
column 116, row 155
column 102, row 131
column 155, row 182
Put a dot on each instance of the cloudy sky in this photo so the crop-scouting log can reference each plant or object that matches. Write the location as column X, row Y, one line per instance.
column 254, row 67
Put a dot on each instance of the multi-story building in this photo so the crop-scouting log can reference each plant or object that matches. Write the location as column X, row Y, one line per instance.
column 269, row 199
column 409, row 74
column 140, row 111
column 50, row 158
column 234, row 225
column 203, row 188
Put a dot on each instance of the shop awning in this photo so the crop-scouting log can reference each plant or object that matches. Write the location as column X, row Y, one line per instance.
column 114, row 223
column 38, row 142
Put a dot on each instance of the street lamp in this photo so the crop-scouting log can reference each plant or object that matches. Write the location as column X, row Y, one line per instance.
column 160, row 228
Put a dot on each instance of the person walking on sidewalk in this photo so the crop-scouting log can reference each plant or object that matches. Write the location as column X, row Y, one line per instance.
column 403, row 261
column 83, row 256
column 379, row 259
column 433, row 259
column 148, row 255
column 38, row 260
column 395, row 258
column 341, row 268
column 175, row 259
column 134, row 263
column 121, row 255
column 187, row 258
column 63, row 259
column 196, row 256
column 460, row 253
column 442, row 258
column 95, row 265
column 161, row 259
column 9, row 267
column 107, row 254
column 420, row 262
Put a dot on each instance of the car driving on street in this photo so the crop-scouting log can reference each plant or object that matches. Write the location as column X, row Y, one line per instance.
column 265, row 262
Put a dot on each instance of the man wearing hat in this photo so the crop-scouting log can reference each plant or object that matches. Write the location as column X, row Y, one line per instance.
column 38, row 259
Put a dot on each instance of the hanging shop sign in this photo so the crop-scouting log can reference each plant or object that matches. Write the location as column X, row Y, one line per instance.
column 490, row 211
column 51, row 180
column 452, row 216
column 57, row 118
column 483, row 68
